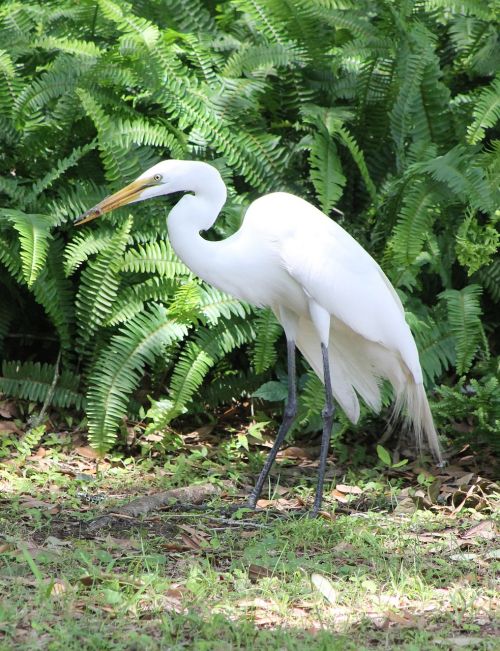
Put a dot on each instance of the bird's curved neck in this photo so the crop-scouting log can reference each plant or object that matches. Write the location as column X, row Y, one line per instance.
column 192, row 214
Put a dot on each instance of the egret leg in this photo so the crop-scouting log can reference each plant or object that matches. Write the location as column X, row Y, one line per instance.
column 327, row 414
column 286, row 423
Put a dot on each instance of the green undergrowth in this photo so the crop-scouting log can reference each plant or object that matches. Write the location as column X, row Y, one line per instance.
column 366, row 575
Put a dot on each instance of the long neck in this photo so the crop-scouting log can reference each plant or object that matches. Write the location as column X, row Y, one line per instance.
column 195, row 213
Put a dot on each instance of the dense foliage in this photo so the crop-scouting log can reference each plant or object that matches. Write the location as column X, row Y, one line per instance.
column 382, row 113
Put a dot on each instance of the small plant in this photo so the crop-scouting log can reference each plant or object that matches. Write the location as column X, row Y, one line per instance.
column 385, row 458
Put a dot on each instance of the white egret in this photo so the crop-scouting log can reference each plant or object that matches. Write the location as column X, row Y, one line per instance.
column 333, row 300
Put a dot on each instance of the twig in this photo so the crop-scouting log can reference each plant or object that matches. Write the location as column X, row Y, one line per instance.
column 39, row 418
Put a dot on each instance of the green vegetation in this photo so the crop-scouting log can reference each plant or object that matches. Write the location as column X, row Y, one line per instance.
column 385, row 111
column 375, row 573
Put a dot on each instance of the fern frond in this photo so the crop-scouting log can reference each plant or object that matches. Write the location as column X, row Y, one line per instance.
column 490, row 278
column 326, row 170
column 54, row 292
column 464, row 316
column 86, row 243
column 436, row 346
column 34, row 236
column 267, row 332
column 486, row 112
column 215, row 304
column 197, row 358
column 414, row 223
column 99, row 286
column 154, row 258
column 349, row 141
column 120, row 367
column 131, row 299
column 59, row 169
column 33, row 381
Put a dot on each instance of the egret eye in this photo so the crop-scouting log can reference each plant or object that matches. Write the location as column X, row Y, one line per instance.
column 157, row 177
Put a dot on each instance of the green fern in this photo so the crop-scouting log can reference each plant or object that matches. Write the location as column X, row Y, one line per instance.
column 414, row 223
column 120, row 366
column 486, row 112
column 267, row 331
column 99, row 285
column 34, row 235
column 196, row 359
column 33, row 381
column 326, row 170
column 464, row 316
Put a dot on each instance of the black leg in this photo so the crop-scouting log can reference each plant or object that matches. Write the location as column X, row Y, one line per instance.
column 327, row 414
column 288, row 418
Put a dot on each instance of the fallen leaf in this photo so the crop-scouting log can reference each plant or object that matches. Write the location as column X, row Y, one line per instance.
column 461, row 641
column 340, row 497
column 87, row 452
column 58, row 588
column 256, row 572
column 51, row 542
column 191, row 543
column 354, row 490
column 8, row 409
column 464, row 556
column 9, row 426
column 294, row 452
column 485, row 529
column 325, row 586
column 29, row 502
column 199, row 434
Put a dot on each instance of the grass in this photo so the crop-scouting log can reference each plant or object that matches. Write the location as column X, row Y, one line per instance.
column 372, row 573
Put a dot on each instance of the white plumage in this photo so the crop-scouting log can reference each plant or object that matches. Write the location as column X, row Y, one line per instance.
column 322, row 285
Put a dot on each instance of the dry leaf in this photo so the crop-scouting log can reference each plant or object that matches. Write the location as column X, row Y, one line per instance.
column 325, row 586
column 190, row 543
column 87, row 452
column 8, row 409
column 340, row 497
column 32, row 503
column 461, row 641
column 354, row 490
column 58, row 588
column 256, row 572
column 51, row 542
column 485, row 529
column 9, row 426
column 294, row 452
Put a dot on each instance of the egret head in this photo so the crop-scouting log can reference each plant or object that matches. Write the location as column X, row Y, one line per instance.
column 163, row 178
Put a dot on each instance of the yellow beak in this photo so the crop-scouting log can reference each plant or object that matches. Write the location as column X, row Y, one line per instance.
column 124, row 196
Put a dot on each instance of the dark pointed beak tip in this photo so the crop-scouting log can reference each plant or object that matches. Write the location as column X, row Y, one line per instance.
column 87, row 216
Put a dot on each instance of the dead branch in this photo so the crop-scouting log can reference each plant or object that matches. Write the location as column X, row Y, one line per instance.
column 186, row 495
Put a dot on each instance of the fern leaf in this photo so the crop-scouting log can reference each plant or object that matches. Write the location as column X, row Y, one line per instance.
column 464, row 316
column 414, row 223
column 34, row 236
column 85, row 244
column 99, row 286
column 120, row 367
column 33, row 381
column 154, row 257
column 54, row 292
column 326, row 170
column 198, row 357
column 131, row 299
column 215, row 304
column 486, row 112
column 267, row 332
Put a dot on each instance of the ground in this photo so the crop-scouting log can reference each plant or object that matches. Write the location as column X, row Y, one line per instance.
column 401, row 557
